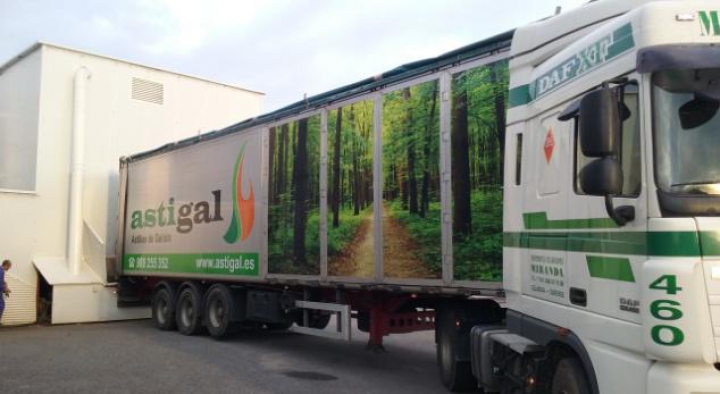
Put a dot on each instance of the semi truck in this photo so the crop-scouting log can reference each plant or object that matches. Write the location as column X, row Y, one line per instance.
column 546, row 200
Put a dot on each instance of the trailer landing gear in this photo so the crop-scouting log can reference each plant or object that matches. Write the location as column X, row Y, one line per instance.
column 383, row 323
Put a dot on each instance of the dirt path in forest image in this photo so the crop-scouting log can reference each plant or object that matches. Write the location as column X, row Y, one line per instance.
column 398, row 247
column 357, row 257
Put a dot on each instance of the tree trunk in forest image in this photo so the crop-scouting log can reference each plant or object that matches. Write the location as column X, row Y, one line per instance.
column 368, row 188
column 403, row 191
column 300, row 182
column 499, row 95
column 492, row 163
column 271, row 164
column 356, row 185
column 282, row 162
column 462, row 219
column 355, row 165
column 411, row 180
column 425, row 193
column 336, row 171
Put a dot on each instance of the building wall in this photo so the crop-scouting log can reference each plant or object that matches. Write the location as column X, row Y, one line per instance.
column 116, row 125
column 19, row 109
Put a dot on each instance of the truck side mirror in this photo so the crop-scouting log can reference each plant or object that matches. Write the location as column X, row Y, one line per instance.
column 600, row 122
column 602, row 177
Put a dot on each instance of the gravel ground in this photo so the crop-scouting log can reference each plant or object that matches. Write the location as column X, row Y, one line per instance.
column 134, row 357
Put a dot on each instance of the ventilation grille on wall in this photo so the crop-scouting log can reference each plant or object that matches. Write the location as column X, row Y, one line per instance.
column 149, row 91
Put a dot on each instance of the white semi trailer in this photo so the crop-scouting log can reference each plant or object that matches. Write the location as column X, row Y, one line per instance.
column 382, row 200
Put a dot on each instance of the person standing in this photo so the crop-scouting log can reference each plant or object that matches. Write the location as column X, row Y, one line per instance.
column 4, row 289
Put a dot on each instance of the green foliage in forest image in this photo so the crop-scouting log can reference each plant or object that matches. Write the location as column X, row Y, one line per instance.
column 294, row 198
column 478, row 110
column 478, row 256
column 411, row 181
column 350, row 187
column 280, row 251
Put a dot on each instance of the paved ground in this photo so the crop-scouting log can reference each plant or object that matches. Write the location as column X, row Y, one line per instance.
column 134, row 357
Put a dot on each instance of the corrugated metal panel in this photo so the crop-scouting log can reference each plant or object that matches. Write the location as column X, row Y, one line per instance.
column 144, row 90
column 20, row 306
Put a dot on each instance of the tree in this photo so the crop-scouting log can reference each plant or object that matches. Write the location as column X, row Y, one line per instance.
column 462, row 216
column 425, row 192
column 300, row 183
column 336, row 170
column 499, row 96
column 355, row 165
column 282, row 161
column 271, row 164
column 410, row 142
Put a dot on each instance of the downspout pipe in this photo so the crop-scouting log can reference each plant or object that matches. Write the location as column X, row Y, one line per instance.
column 77, row 169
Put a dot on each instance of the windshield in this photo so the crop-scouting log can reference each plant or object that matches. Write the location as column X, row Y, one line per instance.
column 687, row 130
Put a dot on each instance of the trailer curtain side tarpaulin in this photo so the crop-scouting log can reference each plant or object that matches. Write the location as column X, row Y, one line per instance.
column 395, row 180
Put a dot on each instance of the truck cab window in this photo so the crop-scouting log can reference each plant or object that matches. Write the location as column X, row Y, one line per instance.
column 629, row 147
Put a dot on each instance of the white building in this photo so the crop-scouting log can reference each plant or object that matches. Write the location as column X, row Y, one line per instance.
column 66, row 117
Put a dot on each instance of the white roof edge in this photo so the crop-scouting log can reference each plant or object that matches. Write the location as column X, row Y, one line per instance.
column 17, row 58
column 22, row 55
column 538, row 34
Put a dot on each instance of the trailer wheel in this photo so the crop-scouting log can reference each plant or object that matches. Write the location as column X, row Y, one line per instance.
column 218, row 311
column 455, row 374
column 569, row 378
column 188, row 311
column 163, row 309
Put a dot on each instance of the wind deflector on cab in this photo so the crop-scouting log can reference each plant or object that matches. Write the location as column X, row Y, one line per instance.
column 666, row 57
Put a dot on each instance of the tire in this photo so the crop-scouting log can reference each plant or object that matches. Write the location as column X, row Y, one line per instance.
column 456, row 375
column 163, row 309
column 188, row 310
column 569, row 377
column 218, row 311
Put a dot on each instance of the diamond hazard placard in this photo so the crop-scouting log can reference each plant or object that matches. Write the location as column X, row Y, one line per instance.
column 549, row 145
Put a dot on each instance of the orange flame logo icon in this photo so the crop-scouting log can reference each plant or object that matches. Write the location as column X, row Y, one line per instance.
column 243, row 208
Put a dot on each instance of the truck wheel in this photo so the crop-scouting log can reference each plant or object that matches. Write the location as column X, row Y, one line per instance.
column 163, row 309
column 188, row 311
column 219, row 309
column 456, row 375
column 569, row 378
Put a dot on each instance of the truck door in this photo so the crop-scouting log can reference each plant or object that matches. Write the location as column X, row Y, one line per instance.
column 604, row 259
column 545, row 208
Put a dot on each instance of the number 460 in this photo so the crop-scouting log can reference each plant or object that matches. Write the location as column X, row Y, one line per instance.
column 667, row 310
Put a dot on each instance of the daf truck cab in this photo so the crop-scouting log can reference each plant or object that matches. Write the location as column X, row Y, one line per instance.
column 612, row 196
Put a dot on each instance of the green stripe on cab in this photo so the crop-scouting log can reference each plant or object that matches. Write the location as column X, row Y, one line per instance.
column 613, row 268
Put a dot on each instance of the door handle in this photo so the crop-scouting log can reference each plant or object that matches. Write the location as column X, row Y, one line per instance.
column 578, row 296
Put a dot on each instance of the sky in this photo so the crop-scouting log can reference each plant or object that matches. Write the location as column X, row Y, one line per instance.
column 284, row 48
